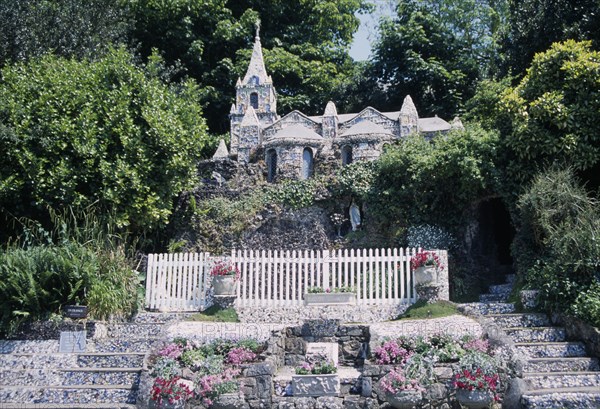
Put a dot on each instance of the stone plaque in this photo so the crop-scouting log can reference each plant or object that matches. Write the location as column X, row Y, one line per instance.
column 72, row 341
column 328, row 349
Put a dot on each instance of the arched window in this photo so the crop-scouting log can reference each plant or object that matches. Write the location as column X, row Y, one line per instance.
column 307, row 163
column 254, row 100
column 346, row 155
column 271, row 165
column 254, row 80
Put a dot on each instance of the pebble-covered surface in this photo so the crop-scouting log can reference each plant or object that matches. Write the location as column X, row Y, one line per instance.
column 121, row 344
column 562, row 400
column 108, row 377
column 42, row 361
column 161, row 317
column 552, row 380
column 533, row 334
column 300, row 313
column 521, row 320
column 29, row 347
column 110, row 361
column 205, row 331
column 562, row 364
column 486, row 308
column 67, row 395
column 541, row 350
column 31, row 377
column 500, row 298
column 140, row 330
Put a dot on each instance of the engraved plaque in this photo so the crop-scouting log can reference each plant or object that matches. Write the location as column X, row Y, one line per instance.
column 72, row 341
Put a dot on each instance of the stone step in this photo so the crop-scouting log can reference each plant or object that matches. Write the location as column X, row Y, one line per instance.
column 497, row 298
column 113, row 345
column 521, row 320
column 561, row 364
column 114, row 394
column 551, row 349
column 84, row 360
column 68, row 406
column 537, row 334
column 546, row 380
column 501, row 289
column 70, row 377
column 161, row 317
column 105, row 376
column 135, row 330
column 489, row 308
column 564, row 398
column 29, row 347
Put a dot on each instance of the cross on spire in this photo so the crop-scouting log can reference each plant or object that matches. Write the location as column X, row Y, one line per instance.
column 257, row 25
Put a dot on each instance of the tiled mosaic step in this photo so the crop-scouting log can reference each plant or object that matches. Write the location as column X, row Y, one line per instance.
column 121, row 344
column 29, row 347
column 490, row 308
column 551, row 349
column 115, row 394
column 68, row 406
column 137, row 330
column 537, row 334
column 561, row 364
column 33, row 377
column 521, row 320
column 562, row 379
column 499, row 298
column 86, row 360
column 161, row 317
column 106, row 376
column 504, row 289
column 564, row 398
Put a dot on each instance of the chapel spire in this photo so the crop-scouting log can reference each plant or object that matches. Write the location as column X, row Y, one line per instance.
column 256, row 74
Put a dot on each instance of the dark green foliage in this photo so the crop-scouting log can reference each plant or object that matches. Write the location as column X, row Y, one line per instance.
column 67, row 28
column 76, row 263
column 422, row 182
column 533, row 25
column 104, row 132
column 435, row 51
column 557, row 244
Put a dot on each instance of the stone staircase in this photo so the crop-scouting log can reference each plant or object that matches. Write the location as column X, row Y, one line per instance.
column 557, row 371
column 34, row 374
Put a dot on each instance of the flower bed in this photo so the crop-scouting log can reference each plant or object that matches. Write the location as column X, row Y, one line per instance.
column 417, row 363
column 186, row 371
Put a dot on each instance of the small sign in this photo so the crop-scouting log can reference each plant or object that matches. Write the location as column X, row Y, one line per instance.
column 72, row 341
column 329, row 350
column 75, row 311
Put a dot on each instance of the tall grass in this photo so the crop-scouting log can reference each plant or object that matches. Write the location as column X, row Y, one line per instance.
column 82, row 259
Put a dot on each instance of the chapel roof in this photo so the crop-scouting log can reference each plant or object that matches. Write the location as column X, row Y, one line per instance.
column 434, row 124
column 296, row 132
column 366, row 127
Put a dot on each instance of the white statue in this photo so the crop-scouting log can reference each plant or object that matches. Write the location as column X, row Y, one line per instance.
column 354, row 216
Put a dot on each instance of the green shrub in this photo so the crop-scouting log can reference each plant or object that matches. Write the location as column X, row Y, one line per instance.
column 587, row 305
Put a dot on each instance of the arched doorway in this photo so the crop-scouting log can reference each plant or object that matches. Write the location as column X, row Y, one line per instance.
column 346, row 155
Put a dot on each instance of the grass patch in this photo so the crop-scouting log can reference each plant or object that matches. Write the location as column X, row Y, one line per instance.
column 421, row 310
column 216, row 314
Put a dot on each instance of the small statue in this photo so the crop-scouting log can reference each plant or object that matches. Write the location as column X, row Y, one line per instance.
column 354, row 216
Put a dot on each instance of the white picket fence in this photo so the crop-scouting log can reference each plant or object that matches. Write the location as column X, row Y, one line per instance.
column 180, row 282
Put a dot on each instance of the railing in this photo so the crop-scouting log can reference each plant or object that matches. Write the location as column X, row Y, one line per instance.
column 377, row 276
column 180, row 282
column 177, row 281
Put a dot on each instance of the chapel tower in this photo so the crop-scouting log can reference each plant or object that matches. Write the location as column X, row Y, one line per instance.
column 255, row 105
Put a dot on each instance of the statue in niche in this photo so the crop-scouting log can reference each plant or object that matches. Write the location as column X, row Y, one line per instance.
column 354, row 216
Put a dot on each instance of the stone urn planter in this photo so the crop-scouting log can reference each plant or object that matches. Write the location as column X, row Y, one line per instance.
column 404, row 399
column 426, row 276
column 474, row 399
column 316, row 385
column 329, row 298
column 224, row 285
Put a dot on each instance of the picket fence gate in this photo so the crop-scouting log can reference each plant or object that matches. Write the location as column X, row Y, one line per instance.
column 181, row 281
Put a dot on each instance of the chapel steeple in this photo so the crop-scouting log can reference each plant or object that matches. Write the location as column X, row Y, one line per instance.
column 255, row 90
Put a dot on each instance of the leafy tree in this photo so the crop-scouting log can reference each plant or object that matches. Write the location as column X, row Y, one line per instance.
column 435, row 50
column 305, row 44
column 69, row 28
column 425, row 182
column 533, row 25
column 106, row 131
column 553, row 114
